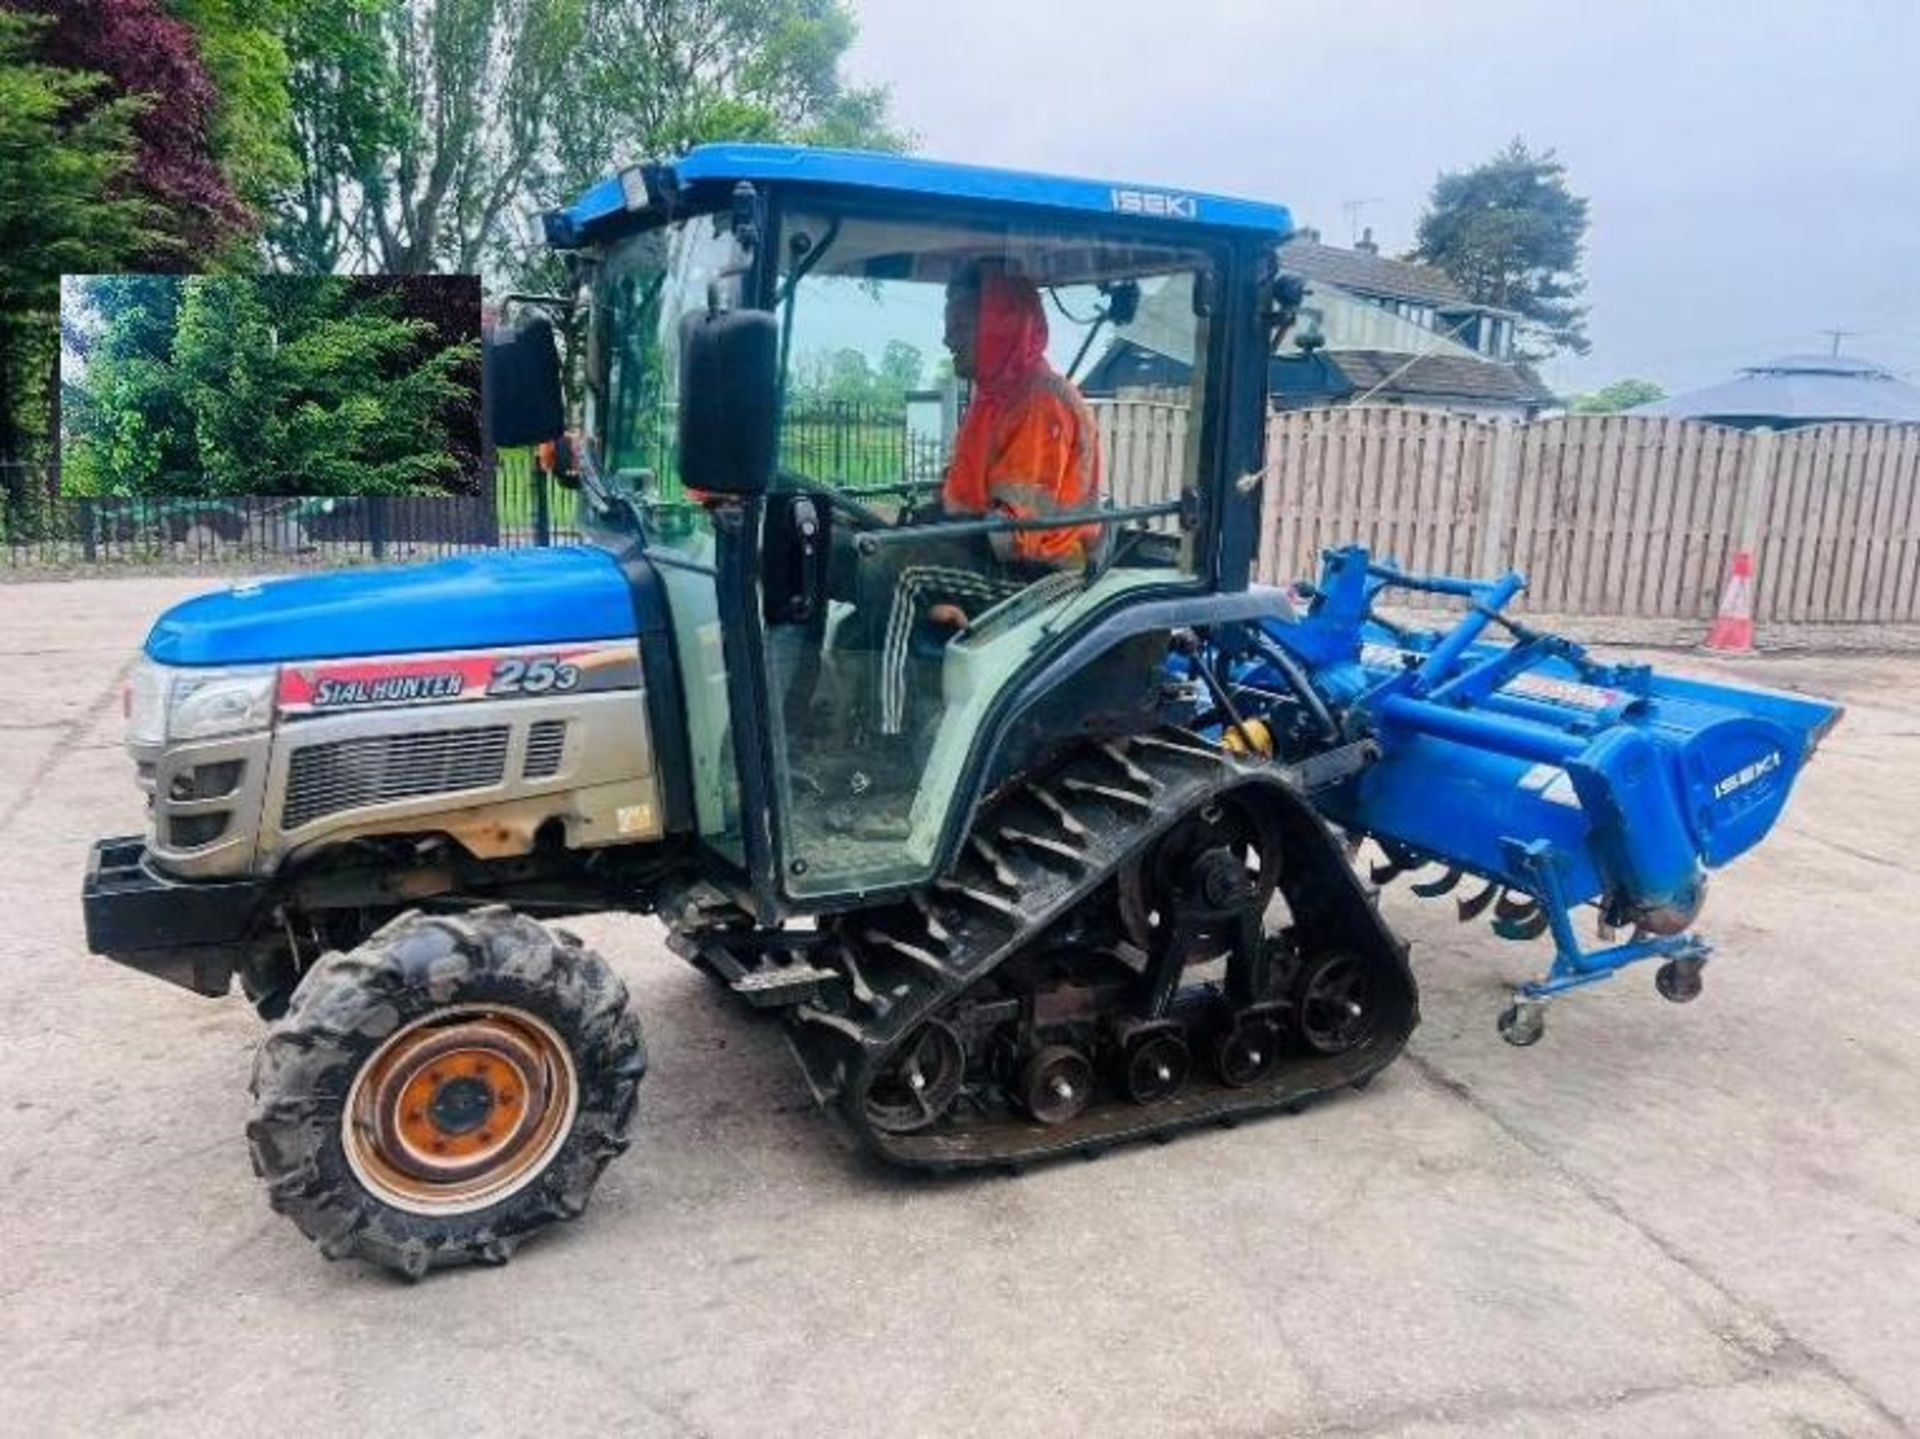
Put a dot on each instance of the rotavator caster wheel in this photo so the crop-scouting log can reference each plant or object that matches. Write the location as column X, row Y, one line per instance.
column 1678, row 980
column 1523, row 1022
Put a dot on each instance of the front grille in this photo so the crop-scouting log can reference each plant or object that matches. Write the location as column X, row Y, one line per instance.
column 546, row 745
column 324, row 779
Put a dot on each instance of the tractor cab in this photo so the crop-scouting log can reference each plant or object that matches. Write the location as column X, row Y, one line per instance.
column 784, row 352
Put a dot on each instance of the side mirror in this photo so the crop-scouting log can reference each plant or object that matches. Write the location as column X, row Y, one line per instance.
column 520, row 388
column 1285, row 295
column 729, row 401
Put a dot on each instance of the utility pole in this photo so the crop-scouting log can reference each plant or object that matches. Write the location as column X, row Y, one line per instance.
column 1837, row 336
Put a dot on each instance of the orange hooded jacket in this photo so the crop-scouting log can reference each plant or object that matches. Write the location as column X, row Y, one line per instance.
column 1028, row 447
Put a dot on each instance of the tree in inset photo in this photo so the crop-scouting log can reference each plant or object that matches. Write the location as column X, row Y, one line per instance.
column 232, row 385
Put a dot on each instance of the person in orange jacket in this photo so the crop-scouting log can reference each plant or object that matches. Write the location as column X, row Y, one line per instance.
column 1027, row 449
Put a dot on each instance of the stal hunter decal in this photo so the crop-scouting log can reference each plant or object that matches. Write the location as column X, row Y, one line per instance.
column 333, row 685
column 390, row 690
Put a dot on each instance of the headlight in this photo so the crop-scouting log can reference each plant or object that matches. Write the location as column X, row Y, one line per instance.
column 165, row 703
column 147, row 690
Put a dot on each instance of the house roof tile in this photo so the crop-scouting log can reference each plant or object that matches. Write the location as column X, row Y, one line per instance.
column 1367, row 274
column 1450, row 377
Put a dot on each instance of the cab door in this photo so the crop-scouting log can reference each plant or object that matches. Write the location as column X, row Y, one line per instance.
column 878, row 701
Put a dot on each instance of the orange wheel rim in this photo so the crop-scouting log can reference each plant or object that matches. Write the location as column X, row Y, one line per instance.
column 460, row 1110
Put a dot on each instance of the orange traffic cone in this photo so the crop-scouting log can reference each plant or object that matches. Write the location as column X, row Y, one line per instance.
column 1732, row 630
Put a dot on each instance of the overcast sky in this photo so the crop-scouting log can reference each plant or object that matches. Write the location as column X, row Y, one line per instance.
column 1753, row 165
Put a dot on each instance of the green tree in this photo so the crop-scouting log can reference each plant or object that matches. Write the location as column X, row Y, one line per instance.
column 418, row 123
column 65, row 151
column 348, row 113
column 426, row 129
column 242, row 45
column 1510, row 234
column 1620, row 396
column 847, row 377
column 130, row 420
column 316, row 386
column 228, row 385
column 901, row 366
column 665, row 75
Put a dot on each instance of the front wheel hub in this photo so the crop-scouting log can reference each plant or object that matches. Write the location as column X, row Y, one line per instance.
column 460, row 1110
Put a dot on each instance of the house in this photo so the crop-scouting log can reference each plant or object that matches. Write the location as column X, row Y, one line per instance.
column 1798, row 390
column 1372, row 330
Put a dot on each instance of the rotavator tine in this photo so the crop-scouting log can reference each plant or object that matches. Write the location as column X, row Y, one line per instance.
column 1350, row 841
column 1399, row 862
column 1434, row 888
column 1518, row 908
column 1474, row 906
column 1527, row 927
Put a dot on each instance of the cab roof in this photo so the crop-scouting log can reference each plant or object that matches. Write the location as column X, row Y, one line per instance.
column 722, row 166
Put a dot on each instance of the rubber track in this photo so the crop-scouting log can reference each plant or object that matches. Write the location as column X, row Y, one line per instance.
column 1053, row 842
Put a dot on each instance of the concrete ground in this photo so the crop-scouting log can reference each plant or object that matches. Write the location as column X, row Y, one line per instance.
column 1663, row 1220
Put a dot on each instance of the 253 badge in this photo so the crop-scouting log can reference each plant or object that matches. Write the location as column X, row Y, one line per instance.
column 546, row 675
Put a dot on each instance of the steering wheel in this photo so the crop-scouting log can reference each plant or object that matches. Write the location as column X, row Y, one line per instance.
column 864, row 516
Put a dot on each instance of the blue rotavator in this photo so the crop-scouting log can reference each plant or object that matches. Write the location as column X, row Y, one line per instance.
column 1555, row 780
column 904, row 768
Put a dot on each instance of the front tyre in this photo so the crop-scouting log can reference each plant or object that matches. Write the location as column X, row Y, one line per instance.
column 446, row 1089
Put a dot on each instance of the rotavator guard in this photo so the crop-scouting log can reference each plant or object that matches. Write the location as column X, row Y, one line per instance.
column 1554, row 780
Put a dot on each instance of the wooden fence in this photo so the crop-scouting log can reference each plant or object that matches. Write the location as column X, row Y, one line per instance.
column 1608, row 515
column 1143, row 452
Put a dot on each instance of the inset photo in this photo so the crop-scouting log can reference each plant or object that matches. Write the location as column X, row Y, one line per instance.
column 211, row 386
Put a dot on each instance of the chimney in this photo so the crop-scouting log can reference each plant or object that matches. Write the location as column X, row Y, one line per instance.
column 1365, row 244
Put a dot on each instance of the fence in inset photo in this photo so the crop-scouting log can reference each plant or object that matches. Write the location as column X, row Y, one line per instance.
column 43, row 529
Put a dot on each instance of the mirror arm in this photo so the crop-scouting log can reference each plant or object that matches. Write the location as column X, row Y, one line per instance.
column 556, row 302
column 1093, row 333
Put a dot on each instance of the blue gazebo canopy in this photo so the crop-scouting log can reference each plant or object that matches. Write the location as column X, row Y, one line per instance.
column 1799, row 390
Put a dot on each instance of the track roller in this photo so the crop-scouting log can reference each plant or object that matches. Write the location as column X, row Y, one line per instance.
column 1331, row 1007
column 1056, row 1083
column 1246, row 1050
column 1156, row 1066
column 921, row 1083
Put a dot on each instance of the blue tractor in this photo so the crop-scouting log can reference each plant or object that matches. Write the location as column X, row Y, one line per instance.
column 1060, row 865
